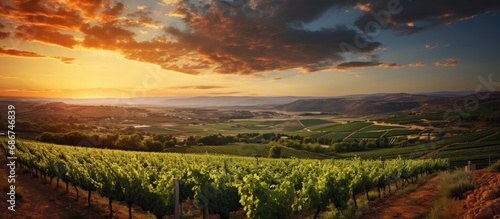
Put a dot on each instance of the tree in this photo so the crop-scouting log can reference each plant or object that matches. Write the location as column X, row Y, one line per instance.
column 153, row 145
column 170, row 144
column 130, row 142
column 190, row 141
column 275, row 152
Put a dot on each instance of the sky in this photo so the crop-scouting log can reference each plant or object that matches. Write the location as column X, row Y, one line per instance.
column 101, row 48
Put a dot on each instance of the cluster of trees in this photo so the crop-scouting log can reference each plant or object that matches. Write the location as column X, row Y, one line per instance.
column 158, row 142
column 40, row 126
column 219, row 139
column 315, row 144
column 297, row 144
column 135, row 141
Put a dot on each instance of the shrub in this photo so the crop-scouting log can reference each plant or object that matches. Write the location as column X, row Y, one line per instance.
column 495, row 167
column 452, row 186
column 445, row 208
column 275, row 152
column 455, row 183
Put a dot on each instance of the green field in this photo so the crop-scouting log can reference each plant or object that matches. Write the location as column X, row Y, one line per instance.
column 415, row 118
column 392, row 133
column 416, row 151
column 408, row 152
column 478, row 153
column 291, row 126
column 367, row 134
column 349, row 127
column 313, row 122
column 335, row 135
column 227, row 128
column 380, row 127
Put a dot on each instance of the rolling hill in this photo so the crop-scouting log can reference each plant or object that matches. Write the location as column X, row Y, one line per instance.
column 389, row 103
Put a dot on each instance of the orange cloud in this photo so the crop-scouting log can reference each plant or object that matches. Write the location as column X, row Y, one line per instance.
column 451, row 62
column 19, row 53
column 222, row 37
column 66, row 60
column 106, row 36
column 13, row 52
column 219, row 36
column 428, row 46
column 45, row 34
column 42, row 14
column 112, row 14
column 3, row 35
column 140, row 19
column 416, row 65
column 89, row 8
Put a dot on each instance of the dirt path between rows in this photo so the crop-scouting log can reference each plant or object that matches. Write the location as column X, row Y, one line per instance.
column 408, row 205
column 39, row 200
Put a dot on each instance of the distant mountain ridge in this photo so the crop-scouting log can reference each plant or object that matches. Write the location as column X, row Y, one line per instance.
column 385, row 104
column 356, row 103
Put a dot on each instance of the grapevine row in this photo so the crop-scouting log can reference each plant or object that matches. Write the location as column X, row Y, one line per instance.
column 264, row 188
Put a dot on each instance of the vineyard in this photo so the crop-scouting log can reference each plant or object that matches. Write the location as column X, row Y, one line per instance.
column 415, row 151
column 313, row 122
column 263, row 188
column 349, row 127
column 479, row 153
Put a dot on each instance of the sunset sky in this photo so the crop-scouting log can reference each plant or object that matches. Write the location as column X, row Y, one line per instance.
column 93, row 49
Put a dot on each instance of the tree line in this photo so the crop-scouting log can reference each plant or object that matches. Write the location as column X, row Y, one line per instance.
column 140, row 141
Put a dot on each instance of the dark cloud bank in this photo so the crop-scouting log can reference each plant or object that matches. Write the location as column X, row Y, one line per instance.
column 238, row 37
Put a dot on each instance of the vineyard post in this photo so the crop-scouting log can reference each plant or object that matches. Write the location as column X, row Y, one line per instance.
column 176, row 194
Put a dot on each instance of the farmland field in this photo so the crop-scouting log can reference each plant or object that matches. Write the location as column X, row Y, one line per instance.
column 414, row 118
column 313, row 122
column 392, row 133
column 380, row 127
column 415, row 151
column 479, row 153
column 349, row 127
column 334, row 135
column 367, row 134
